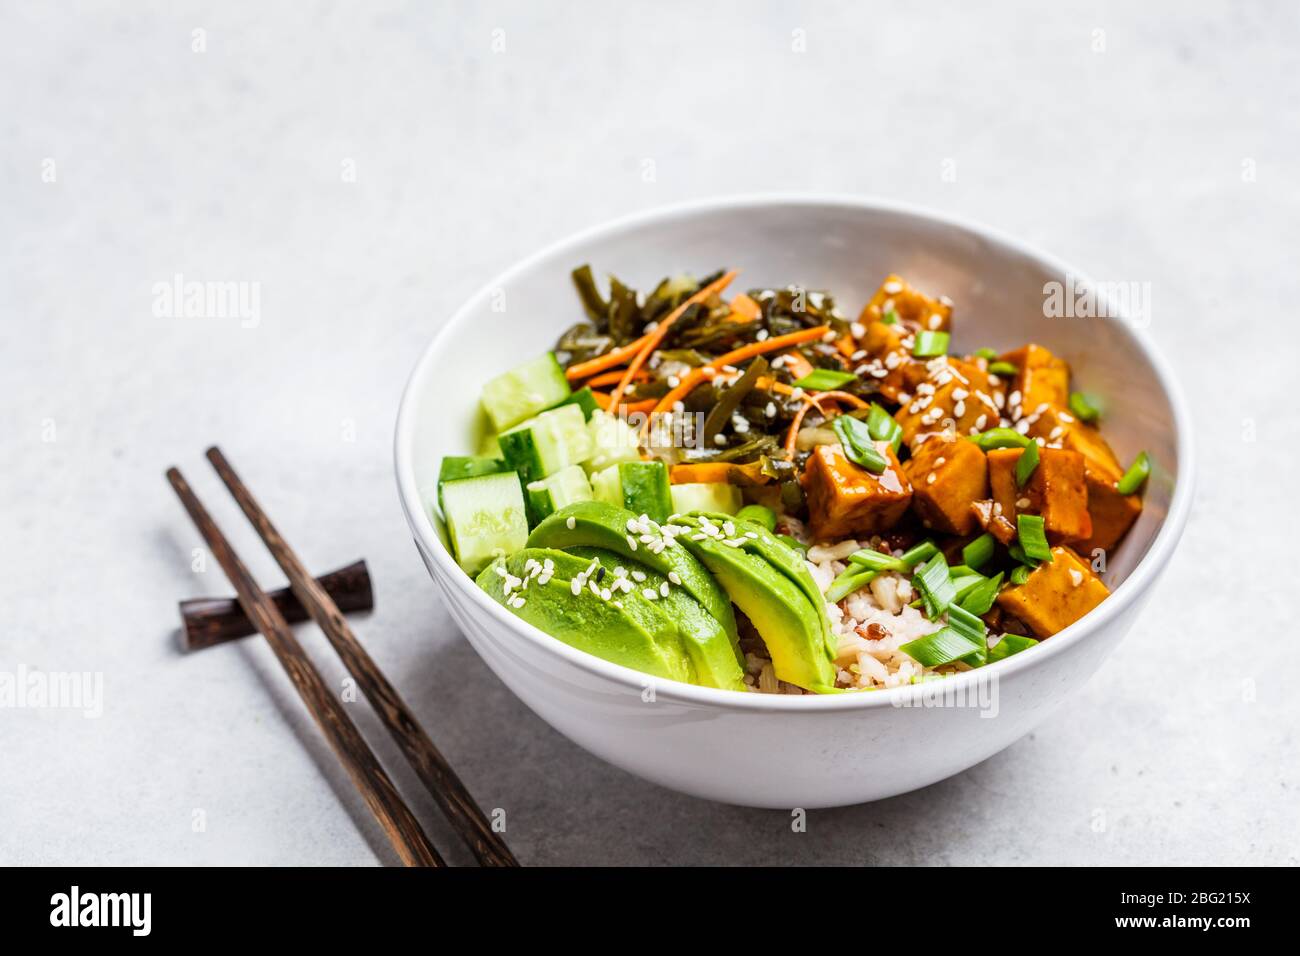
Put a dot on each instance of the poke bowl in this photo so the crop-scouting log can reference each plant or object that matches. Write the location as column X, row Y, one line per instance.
column 816, row 571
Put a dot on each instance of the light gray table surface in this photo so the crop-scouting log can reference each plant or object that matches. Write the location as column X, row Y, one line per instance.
column 369, row 165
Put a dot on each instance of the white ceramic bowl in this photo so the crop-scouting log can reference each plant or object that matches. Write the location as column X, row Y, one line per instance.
column 772, row 751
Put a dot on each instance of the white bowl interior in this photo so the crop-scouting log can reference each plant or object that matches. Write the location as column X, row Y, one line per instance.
column 844, row 247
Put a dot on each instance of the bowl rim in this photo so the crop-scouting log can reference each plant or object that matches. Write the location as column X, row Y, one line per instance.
column 1143, row 576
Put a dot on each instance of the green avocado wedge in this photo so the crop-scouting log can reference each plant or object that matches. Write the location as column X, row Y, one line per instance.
column 781, row 612
column 624, row 628
column 755, row 539
column 598, row 524
column 717, row 658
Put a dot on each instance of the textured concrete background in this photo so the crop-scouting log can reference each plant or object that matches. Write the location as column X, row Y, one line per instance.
column 370, row 165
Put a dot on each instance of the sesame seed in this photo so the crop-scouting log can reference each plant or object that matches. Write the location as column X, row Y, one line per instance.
column 571, row 522
column 858, row 330
column 674, row 577
column 631, row 542
column 1076, row 576
column 893, row 287
column 650, row 594
column 761, row 335
column 663, row 589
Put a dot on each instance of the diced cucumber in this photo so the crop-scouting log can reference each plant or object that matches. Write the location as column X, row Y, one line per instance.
column 456, row 467
column 522, row 392
column 639, row 486
column 543, row 445
column 485, row 518
column 489, row 447
column 552, row 493
column 584, row 398
column 706, row 496
column 613, row 440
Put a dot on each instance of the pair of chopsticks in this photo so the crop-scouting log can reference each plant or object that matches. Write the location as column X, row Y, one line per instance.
column 377, row 789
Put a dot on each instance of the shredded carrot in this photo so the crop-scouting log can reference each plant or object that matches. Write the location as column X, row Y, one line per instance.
column 654, row 338
column 746, row 308
column 797, row 365
column 703, row 473
column 843, row 397
column 602, row 362
column 792, row 436
column 604, row 400
column 847, row 345
column 613, row 377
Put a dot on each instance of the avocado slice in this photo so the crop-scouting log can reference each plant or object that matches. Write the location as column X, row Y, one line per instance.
column 626, row 629
column 599, row 524
column 757, row 540
column 717, row 658
column 782, row 613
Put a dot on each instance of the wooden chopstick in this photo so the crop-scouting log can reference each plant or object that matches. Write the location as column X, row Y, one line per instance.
column 398, row 823
column 429, row 764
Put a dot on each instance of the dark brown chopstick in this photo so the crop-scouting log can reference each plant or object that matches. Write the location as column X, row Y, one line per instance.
column 434, row 771
column 376, row 788
column 207, row 622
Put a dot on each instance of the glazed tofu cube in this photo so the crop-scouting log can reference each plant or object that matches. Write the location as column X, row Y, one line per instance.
column 883, row 343
column 1055, row 490
column 946, row 476
column 845, row 499
column 1043, row 379
column 1112, row 513
column 956, row 396
column 1056, row 594
column 915, row 309
column 989, row 516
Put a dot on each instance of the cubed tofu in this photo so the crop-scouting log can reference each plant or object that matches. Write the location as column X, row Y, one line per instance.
column 915, row 309
column 1056, row 594
column 1043, row 379
column 990, row 517
column 947, row 473
column 845, row 499
column 883, row 343
column 1112, row 513
column 956, row 396
column 1056, row 490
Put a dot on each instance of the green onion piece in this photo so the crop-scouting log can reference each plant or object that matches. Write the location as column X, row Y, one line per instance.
column 847, row 582
column 956, row 571
column 792, row 542
column 1020, row 573
column 980, row 598
column 1008, row 645
column 858, row 445
column 890, row 318
column 986, row 353
column 1136, row 474
column 759, row 515
column 876, row 561
column 963, row 584
column 1001, row 438
column 935, row 586
column 1026, row 464
column 966, row 624
column 1033, row 539
column 930, row 344
column 1003, row 368
column 1018, row 554
column 917, row 553
column 977, row 553
column 942, row 647
column 824, row 379
column 883, row 427
column 1083, row 409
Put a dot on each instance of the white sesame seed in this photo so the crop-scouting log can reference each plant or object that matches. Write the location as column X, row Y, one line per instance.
column 631, row 542
column 893, row 287
column 858, row 330
column 674, row 577
column 663, row 589
column 650, row 594
column 761, row 335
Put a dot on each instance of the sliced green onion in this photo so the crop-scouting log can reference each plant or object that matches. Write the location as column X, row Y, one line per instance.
column 966, row 624
column 883, row 427
column 1136, row 474
column 858, row 445
column 956, row 571
column 1033, row 538
column 759, row 514
column 942, row 647
column 917, row 553
column 963, row 584
column 847, row 582
column 1008, row 645
column 876, row 561
column 935, row 586
column 980, row 598
column 1026, row 464
column 1003, row 368
column 1018, row 554
column 792, row 542
column 890, row 318
column 986, row 353
column 1020, row 573
column 1001, row 438
column 824, row 379
column 930, row 344
column 1083, row 409
column 977, row 553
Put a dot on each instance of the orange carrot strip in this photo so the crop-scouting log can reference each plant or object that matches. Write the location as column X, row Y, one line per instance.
column 770, row 345
column 657, row 336
column 613, row 378
column 703, row 473
column 745, row 308
column 602, row 362
column 641, row 406
column 843, row 397
column 792, row 436
column 797, row 365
